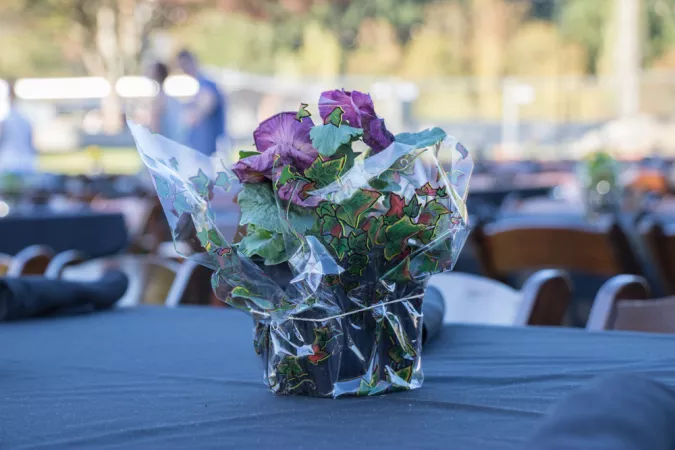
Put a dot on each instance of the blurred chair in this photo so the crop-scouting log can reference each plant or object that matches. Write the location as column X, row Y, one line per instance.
column 62, row 260
column 543, row 299
column 522, row 244
column 660, row 243
column 31, row 260
column 623, row 304
column 5, row 262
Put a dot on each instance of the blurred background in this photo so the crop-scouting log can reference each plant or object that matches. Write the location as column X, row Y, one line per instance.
column 513, row 79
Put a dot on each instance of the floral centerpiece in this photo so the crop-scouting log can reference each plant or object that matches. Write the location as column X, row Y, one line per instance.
column 356, row 217
column 599, row 176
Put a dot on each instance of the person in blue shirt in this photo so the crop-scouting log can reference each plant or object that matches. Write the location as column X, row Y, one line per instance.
column 205, row 114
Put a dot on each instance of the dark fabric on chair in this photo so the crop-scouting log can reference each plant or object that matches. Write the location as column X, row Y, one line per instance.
column 35, row 296
column 188, row 377
column 433, row 308
column 94, row 234
column 619, row 412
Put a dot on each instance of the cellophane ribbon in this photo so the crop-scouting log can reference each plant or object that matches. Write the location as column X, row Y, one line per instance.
column 342, row 315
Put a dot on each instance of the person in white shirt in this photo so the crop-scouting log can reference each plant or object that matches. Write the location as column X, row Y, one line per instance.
column 17, row 153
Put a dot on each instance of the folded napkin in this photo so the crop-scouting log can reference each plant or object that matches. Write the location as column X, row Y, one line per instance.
column 433, row 308
column 619, row 412
column 34, row 296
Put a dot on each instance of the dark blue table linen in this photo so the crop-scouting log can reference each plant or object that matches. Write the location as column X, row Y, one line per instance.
column 189, row 378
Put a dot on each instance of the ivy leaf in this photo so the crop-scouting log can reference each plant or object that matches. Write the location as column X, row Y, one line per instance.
column 317, row 355
column 412, row 209
column 325, row 209
column 321, row 336
column 357, row 264
column 181, row 205
column 327, row 139
column 286, row 175
column 422, row 139
column 405, row 374
column 258, row 207
column 350, row 211
column 441, row 192
column 173, row 162
column 340, row 246
column 215, row 238
column 203, row 237
column 331, row 226
column 201, row 183
column 401, row 273
column 243, row 154
column 358, row 242
column 302, row 112
column 266, row 244
column 463, row 152
column 426, row 191
column 455, row 177
column 162, row 187
column 425, row 236
column 425, row 264
column 431, row 212
column 222, row 180
column 244, row 293
column 323, row 172
column 396, row 204
column 398, row 235
column 335, row 117
column 375, row 229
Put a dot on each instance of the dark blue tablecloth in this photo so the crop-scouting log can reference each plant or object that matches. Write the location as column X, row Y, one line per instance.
column 188, row 378
column 95, row 234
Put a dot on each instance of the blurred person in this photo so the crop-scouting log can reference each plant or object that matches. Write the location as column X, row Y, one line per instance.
column 165, row 111
column 205, row 115
column 17, row 152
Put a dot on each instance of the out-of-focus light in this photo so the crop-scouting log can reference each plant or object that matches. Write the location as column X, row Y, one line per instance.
column 135, row 87
column 602, row 187
column 181, row 86
column 382, row 90
column 4, row 209
column 62, row 88
column 407, row 92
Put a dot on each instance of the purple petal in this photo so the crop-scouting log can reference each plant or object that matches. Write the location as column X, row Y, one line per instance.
column 247, row 172
column 284, row 130
column 298, row 196
column 330, row 100
column 376, row 135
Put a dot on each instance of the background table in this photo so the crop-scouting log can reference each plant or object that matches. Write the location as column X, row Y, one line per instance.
column 188, row 378
column 95, row 234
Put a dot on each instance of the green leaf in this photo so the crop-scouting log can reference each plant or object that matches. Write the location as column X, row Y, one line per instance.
column 222, row 180
column 426, row 235
column 181, row 205
column 330, row 225
column 405, row 374
column 425, row 264
column 441, row 192
column 203, row 237
column 350, row 210
column 357, row 264
column 323, row 172
column 246, row 153
column 376, row 234
column 302, row 112
column 401, row 273
column 327, row 139
column 423, row 139
column 173, row 162
column 325, row 209
column 201, row 183
column 412, row 209
column 162, row 187
column 358, row 242
column 266, row 244
column 287, row 174
column 258, row 207
column 335, row 117
column 398, row 235
column 215, row 238
column 432, row 211
column 340, row 246
column 244, row 293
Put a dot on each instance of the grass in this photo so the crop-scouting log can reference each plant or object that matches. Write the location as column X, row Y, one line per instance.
column 122, row 161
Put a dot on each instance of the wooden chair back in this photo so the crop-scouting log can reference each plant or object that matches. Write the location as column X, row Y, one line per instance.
column 531, row 243
column 62, row 260
column 5, row 262
column 475, row 299
column 32, row 260
column 660, row 243
column 172, row 283
column 623, row 304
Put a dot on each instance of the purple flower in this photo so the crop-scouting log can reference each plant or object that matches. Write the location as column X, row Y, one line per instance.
column 297, row 193
column 283, row 137
column 359, row 112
